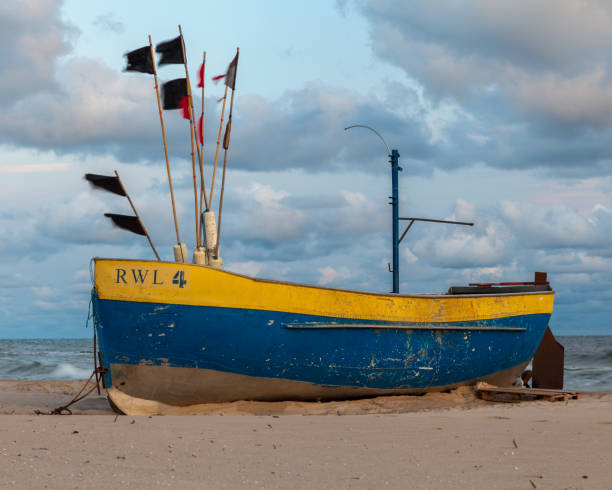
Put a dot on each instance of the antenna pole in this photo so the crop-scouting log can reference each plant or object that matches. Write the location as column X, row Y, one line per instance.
column 394, row 204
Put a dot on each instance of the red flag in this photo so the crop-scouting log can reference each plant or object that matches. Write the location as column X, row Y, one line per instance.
column 219, row 100
column 201, row 82
column 184, row 106
column 200, row 129
column 217, row 78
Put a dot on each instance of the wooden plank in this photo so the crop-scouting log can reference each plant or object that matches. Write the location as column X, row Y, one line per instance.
column 502, row 394
column 517, row 389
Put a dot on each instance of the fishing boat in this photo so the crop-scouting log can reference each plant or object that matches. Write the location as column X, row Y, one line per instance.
column 184, row 334
column 176, row 334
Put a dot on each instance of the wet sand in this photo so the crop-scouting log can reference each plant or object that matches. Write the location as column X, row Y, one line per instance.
column 446, row 440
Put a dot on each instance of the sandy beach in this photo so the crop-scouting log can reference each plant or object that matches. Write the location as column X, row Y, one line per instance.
column 450, row 440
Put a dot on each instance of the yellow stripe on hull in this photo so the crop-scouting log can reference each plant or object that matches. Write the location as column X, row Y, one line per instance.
column 195, row 285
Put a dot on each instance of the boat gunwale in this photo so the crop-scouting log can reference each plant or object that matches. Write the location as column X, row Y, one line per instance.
column 286, row 283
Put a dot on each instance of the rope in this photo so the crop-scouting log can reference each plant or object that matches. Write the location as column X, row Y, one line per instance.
column 98, row 372
column 64, row 409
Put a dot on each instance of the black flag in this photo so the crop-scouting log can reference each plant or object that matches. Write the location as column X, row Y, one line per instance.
column 130, row 223
column 230, row 76
column 171, row 51
column 173, row 92
column 140, row 60
column 111, row 184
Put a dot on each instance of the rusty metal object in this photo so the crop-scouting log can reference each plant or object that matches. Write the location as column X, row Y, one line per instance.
column 548, row 363
column 540, row 279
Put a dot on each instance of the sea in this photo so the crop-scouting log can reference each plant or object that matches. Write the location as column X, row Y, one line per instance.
column 588, row 360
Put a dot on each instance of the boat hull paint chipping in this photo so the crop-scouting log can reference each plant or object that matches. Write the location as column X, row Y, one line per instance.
column 214, row 336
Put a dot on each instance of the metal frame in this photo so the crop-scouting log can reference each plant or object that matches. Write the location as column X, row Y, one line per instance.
column 396, row 239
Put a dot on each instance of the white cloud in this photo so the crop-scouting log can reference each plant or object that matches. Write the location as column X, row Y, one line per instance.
column 555, row 227
column 248, row 268
column 44, row 292
column 34, row 167
column 266, row 217
column 329, row 275
column 32, row 36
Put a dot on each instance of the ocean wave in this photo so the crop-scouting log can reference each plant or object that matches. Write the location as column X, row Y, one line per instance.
column 590, row 369
column 69, row 371
column 30, row 368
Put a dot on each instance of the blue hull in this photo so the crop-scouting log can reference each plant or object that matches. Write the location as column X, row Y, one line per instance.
column 288, row 346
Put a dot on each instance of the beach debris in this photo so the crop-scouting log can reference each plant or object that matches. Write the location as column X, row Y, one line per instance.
column 532, row 484
column 548, row 363
column 132, row 422
column 513, row 394
column 515, row 444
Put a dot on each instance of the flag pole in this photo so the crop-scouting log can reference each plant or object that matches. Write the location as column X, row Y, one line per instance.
column 202, row 184
column 163, row 129
column 212, row 185
column 225, row 148
column 191, row 133
column 137, row 215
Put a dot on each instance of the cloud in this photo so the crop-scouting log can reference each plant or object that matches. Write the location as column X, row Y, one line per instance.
column 456, row 45
column 34, row 167
column 44, row 292
column 531, row 81
column 248, row 268
column 32, row 37
column 329, row 275
column 110, row 23
column 463, row 249
column 266, row 218
column 559, row 226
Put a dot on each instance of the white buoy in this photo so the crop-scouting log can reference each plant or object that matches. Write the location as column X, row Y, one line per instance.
column 199, row 256
column 216, row 262
column 210, row 230
column 180, row 253
column 210, row 235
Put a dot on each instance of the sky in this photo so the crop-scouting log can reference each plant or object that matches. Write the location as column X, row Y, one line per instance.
column 501, row 112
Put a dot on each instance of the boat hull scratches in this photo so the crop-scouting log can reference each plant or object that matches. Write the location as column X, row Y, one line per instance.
column 156, row 390
column 255, row 344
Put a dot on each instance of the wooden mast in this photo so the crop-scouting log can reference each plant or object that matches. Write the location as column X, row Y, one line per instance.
column 212, row 185
column 137, row 215
column 201, row 155
column 225, row 148
column 163, row 129
column 191, row 133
